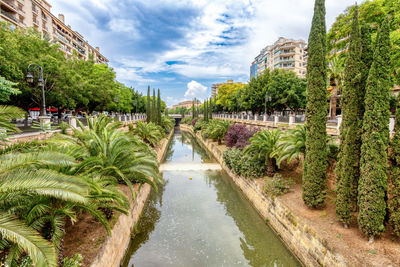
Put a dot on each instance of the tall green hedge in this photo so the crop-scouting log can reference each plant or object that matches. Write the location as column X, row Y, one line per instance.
column 148, row 107
column 375, row 138
column 314, row 174
column 348, row 167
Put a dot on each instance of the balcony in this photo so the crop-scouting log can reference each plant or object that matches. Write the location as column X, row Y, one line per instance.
column 61, row 38
column 9, row 16
column 9, row 5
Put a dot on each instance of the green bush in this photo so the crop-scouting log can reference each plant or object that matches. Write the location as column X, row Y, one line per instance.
column 277, row 185
column 242, row 164
column 199, row 124
column 187, row 120
column 215, row 129
column 167, row 123
column 75, row 261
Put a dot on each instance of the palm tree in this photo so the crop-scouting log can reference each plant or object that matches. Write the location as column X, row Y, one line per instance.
column 22, row 179
column 148, row 132
column 110, row 153
column 336, row 76
column 261, row 147
column 292, row 145
column 167, row 123
column 217, row 129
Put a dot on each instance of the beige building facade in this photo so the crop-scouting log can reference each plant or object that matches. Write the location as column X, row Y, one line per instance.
column 285, row 54
column 37, row 14
column 187, row 104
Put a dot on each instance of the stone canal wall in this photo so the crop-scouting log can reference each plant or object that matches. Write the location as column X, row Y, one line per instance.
column 299, row 237
column 114, row 248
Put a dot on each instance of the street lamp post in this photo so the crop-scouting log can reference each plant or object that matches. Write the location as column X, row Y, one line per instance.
column 40, row 83
column 116, row 99
column 268, row 99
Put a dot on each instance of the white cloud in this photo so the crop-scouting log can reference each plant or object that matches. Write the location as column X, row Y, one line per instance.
column 125, row 26
column 258, row 23
column 195, row 89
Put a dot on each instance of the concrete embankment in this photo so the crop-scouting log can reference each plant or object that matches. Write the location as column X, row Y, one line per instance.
column 113, row 249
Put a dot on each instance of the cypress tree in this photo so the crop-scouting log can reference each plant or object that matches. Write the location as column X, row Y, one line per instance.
column 348, row 168
column 154, row 108
column 158, row 107
column 148, row 107
column 210, row 109
column 394, row 204
column 193, row 111
column 366, row 57
column 375, row 138
column 205, row 112
column 314, row 169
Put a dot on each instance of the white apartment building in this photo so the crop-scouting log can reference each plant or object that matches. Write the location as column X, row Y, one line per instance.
column 285, row 53
column 37, row 14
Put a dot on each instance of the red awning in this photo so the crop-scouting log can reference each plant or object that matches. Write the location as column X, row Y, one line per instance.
column 49, row 109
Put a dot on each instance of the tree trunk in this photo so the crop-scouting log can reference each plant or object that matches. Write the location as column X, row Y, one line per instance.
column 333, row 102
column 270, row 168
column 26, row 120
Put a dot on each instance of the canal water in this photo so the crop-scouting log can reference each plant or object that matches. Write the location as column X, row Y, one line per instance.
column 199, row 218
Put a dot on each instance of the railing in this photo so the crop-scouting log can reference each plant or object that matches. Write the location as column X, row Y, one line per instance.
column 8, row 3
column 9, row 15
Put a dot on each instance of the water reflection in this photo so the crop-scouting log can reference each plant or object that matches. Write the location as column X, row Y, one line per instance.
column 202, row 220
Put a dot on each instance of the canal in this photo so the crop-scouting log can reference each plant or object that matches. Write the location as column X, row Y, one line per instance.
column 199, row 218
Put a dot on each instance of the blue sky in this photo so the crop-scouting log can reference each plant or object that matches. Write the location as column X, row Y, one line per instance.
column 184, row 46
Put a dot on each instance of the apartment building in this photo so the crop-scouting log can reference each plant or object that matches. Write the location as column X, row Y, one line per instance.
column 215, row 86
column 187, row 104
column 285, row 54
column 37, row 14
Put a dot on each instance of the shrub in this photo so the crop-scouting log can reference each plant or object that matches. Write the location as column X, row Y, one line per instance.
column 244, row 138
column 167, row 123
column 242, row 164
column 198, row 124
column 75, row 261
column 232, row 136
column 262, row 146
column 149, row 132
column 238, row 135
column 187, row 120
column 277, row 185
column 215, row 129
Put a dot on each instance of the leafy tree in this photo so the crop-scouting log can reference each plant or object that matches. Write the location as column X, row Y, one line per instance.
column 287, row 91
column 348, row 170
column 138, row 101
column 228, row 96
column 375, row 138
column 7, row 89
column 314, row 170
column 252, row 96
column 372, row 13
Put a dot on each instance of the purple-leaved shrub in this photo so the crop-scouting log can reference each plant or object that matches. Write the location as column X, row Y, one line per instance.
column 238, row 135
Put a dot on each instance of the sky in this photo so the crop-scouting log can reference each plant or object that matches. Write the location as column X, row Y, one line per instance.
column 184, row 46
